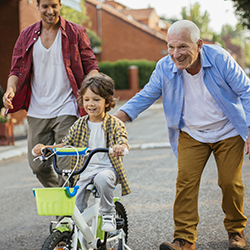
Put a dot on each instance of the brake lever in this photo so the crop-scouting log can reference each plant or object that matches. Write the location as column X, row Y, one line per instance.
column 41, row 158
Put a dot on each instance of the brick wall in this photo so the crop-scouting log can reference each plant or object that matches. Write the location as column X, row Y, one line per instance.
column 28, row 13
column 15, row 15
column 9, row 31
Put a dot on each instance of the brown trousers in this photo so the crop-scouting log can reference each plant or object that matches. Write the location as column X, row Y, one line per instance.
column 192, row 158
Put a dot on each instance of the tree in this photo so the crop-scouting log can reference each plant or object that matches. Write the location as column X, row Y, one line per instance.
column 74, row 15
column 243, row 11
column 240, row 37
column 200, row 19
column 80, row 18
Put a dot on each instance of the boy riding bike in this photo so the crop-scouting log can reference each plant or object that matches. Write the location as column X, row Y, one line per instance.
column 98, row 129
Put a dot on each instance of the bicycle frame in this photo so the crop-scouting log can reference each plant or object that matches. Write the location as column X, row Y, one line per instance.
column 80, row 221
column 88, row 235
column 81, row 233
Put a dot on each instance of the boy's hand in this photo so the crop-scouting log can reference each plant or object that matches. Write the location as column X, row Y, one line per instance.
column 118, row 150
column 37, row 149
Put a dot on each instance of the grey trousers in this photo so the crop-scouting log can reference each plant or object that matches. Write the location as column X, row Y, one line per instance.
column 105, row 182
column 48, row 132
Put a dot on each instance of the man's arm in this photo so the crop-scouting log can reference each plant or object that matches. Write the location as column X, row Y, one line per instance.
column 10, row 92
column 122, row 116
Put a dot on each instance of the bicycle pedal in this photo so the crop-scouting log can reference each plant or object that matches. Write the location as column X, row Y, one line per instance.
column 119, row 223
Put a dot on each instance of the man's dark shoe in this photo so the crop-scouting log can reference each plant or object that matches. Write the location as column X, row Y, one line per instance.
column 177, row 244
column 237, row 241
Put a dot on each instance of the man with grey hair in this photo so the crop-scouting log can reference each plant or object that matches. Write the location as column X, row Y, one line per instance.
column 206, row 101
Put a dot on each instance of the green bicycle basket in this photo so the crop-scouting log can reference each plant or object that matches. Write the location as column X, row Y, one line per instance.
column 55, row 201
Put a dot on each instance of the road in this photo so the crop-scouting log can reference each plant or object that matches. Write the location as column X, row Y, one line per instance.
column 151, row 173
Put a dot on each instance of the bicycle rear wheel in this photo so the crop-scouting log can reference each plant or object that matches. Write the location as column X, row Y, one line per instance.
column 117, row 244
column 58, row 241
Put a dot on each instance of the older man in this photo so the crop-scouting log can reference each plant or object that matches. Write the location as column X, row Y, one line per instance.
column 206, row 99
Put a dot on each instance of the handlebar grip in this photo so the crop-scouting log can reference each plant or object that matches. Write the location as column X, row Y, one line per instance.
column 33, row 153
column 125, row 152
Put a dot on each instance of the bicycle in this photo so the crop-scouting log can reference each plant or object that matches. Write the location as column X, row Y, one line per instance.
column 75, row 230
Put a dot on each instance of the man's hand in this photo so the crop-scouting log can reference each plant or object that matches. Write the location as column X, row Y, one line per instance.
column 122, row 116
column 7, row 98
column 10, row 92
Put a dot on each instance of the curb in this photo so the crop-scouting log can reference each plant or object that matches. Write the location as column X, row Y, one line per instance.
column 14, row 151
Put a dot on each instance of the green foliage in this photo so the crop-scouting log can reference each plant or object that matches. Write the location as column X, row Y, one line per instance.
column 3, row 119
column 94, row 39
column 118, row 71
column 243, row 11
column 74, row 15
column 240, row 37
column 80, row 18
column 200, row 19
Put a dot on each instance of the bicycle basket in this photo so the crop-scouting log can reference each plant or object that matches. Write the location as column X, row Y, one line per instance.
column 55, row 201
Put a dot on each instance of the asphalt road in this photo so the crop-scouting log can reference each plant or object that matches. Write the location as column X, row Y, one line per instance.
column 151, row 173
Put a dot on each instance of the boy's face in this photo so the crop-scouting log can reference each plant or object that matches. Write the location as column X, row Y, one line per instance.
column 94, row 105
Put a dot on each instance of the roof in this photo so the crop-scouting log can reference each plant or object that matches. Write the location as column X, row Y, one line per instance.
column 111, row 10
column 138, row 14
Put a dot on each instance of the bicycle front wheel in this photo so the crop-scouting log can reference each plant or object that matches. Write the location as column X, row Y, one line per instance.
column 58, row 241
column 118, row 243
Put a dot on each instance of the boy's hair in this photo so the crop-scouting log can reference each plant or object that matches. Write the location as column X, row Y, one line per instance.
column 38, row 1
column 101, row 85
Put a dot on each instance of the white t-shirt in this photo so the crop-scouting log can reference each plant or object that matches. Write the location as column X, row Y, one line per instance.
column 51, row 94
column 203, row 118
column 99, row 161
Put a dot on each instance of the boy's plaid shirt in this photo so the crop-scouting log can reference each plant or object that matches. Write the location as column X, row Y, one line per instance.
column 115, row 133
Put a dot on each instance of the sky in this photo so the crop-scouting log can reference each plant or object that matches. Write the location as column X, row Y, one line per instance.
column 221, row 12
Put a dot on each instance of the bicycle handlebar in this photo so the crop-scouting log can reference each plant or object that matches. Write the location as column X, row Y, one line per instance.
column 47, row 152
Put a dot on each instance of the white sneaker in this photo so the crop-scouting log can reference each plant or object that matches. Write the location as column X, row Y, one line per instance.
column 108, row 223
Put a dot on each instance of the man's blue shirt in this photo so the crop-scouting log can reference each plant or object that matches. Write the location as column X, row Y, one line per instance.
column 223, row 77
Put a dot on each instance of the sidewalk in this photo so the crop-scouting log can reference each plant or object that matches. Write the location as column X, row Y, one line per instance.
column 147, row 131
column 18, row 149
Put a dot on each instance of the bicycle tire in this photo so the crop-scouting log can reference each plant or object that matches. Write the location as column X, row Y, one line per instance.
column 56, row 239
column 120, row 213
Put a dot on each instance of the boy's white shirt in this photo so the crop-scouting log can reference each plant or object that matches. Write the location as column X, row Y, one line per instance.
column 99, row 161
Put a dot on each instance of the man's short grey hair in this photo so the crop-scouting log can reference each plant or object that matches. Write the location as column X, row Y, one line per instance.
column 181, row 25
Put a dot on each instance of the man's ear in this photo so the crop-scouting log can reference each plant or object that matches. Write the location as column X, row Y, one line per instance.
column 199, row 43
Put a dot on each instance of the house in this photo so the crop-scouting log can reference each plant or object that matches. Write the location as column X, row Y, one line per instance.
column 15, row 15
column 126, row 34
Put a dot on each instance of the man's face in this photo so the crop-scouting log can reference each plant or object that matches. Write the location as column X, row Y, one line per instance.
column 183, row 51
column 49, row 11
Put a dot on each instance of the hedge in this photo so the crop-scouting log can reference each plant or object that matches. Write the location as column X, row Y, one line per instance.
column 118, row 71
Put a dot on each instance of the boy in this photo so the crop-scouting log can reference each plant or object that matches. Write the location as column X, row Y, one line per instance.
column 98, row 129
